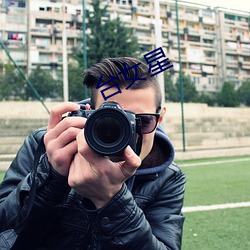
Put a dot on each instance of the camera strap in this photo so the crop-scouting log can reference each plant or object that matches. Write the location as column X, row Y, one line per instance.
column 139, row 140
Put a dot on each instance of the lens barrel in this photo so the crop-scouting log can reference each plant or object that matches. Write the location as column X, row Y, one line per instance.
column 108, row 131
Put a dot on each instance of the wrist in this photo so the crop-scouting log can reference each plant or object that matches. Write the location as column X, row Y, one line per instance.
column 103, row 200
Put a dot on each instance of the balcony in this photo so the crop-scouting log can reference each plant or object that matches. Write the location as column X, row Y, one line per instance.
column 3, row 10
column 182, row 43
column 208, row 34
column 16, row 27
column 73, row 33
column 210, row 46
column 230, row 64
column 181, row 15
column 229, row 23
column 229, row 50
column 40, row 31
column 49, row 15
column 242, row 25
column 193, row 31
column 192, row 43
column 208, row 20
column 139, row 26
column 15, row 44
column 52, row 48
column 145, row 40
column 144, row 11
column 175, row 58
column 21, row 62
column 229, row 37
column 210, row 60
column 245, row 65
column 192, row 17
column 120, row 8
column 231, row 61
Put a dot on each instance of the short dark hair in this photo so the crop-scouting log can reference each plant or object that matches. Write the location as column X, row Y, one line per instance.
column 112, row 67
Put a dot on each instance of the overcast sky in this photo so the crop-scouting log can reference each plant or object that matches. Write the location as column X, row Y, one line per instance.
column 243, row 5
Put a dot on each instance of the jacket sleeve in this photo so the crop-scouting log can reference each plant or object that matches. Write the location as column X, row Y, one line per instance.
column 122, row 224
column 16, row 185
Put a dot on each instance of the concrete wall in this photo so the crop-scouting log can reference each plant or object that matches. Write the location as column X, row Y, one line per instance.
column 208, row 127
column 205, row 127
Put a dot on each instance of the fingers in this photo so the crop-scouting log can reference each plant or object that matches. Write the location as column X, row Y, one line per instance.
column 60, row 138
column 132, row 162
column 68, row 123
column 61, row 158
column 90, row 155
column 54, row 140
column 58, row 111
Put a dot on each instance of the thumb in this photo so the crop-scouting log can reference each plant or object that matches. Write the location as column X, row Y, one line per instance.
column 132, row 162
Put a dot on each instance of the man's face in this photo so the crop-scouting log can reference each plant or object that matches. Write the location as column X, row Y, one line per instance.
column 137, row 101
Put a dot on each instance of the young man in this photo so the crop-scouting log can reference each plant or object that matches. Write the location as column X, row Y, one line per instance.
column 85, row 200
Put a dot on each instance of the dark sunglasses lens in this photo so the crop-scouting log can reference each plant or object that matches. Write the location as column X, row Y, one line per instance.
column 148, row 123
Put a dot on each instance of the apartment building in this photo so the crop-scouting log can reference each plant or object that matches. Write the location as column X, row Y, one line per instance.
column 33, row 32
column 13, row 31
column 233, row 36
column 214, row 43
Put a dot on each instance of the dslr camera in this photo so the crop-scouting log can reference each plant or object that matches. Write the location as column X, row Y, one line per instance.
column 109, row 129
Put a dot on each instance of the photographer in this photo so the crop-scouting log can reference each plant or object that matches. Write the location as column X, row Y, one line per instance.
column 60, row 192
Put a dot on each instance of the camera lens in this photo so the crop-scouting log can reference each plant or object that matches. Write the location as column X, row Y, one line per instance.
column 108, row 131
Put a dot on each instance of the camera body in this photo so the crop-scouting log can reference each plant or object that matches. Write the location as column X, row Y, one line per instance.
column 109, row 129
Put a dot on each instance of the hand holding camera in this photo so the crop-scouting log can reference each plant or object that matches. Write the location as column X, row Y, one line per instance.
column 60, row 139
column 77, row 147
column 109, row 131
column 96, row 177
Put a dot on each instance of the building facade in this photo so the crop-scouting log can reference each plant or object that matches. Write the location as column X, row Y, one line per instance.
column 214, row 42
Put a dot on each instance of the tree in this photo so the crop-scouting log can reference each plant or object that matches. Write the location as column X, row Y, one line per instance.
column 204, row 98
column 11, row 84
column 244, row 93
column 45, row 85
column 190, row 93
column 76, row 88
column 171, row 91
column 107, row 38
column 228, row 96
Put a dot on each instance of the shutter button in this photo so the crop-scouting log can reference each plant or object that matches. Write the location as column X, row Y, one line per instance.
column 105, row 221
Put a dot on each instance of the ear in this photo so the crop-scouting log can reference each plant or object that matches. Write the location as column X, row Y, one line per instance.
column 163, row 111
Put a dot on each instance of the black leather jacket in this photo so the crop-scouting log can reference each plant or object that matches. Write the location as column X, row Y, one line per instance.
column 144, row 215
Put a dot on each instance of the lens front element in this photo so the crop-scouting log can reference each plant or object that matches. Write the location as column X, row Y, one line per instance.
column 108, row 131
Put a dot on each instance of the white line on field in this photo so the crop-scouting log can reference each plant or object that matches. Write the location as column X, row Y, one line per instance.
column 212, row 162
column 215, row 207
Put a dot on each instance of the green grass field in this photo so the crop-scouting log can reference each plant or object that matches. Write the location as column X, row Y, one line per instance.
column 219, row 182
column 1, row 175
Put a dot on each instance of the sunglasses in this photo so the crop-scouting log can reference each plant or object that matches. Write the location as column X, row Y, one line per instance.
column 148, row 122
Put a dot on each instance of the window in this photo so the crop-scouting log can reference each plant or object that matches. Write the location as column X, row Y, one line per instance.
column 196, row 79
column 209, row 54
column 207, row 13
column 44, row 58
column 208, row 41
column 210, row 80
column 16, row 36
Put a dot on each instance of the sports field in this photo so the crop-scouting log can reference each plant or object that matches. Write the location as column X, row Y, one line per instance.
column 223, row 183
